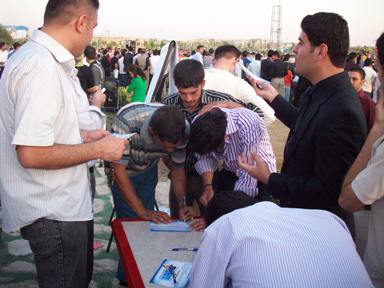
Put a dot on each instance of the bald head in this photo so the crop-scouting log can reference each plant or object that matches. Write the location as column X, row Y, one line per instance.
column 64, row 11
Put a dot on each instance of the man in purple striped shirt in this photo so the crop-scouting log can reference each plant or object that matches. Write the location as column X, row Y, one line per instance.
column 224, row 135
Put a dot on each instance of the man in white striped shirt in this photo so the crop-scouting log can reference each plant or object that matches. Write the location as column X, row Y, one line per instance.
column 264, row 245
column 226, row 134
column 44, row 184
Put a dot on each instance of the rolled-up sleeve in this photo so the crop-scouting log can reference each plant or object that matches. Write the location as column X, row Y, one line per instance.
column 205, row 163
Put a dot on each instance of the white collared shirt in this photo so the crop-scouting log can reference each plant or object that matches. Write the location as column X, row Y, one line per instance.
column 267, row 246
column 37, row 93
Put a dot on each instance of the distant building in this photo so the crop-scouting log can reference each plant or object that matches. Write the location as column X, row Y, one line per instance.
column 17, row 32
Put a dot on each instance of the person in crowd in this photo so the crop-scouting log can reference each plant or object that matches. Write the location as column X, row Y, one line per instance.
column 128, row 60
column 279, row 71
column 255, row 66
column 351, row 61
column 226, row 134
column 364, row 184
column 115, row 64
column 327, row 131
column 123, row 79
column 161, row 131
column 220, row 78
column 207, row 58
column 138, row 85
column 105, row 62
column 267, row 67
column 264, row 245
column 3, row 56
column 370, row 77
column 45, row 191
column 192, row 98
column 97, row 70
column 198, row 56
column 288, row 78
column 153, row 60
column 357, row 77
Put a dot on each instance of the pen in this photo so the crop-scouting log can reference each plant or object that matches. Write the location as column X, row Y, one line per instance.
column 193, row 249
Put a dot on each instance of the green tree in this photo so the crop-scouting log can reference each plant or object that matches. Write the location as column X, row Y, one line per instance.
column 4, row 36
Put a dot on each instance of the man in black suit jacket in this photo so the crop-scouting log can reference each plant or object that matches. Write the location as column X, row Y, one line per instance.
column 327, row 130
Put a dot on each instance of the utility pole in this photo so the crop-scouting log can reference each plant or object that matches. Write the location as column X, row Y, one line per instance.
column 275, row 36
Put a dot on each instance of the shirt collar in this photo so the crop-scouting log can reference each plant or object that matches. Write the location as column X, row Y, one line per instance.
column 58, row 51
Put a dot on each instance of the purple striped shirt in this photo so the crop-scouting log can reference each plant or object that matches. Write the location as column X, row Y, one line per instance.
column 245, row 132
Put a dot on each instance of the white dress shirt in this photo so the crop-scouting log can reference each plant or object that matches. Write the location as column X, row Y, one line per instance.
column 255, row 67
column 267, row 246
column 369, row 188
column 38, row 91
column 225, row 82
column 198, row 57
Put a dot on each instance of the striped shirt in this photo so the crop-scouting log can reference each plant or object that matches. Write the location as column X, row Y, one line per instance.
column 144, row 151
column 267, row 246
column 245, row 132
column 207, row 96
column 38, row 108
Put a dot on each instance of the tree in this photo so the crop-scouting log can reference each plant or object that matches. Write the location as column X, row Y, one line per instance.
column 4, row 36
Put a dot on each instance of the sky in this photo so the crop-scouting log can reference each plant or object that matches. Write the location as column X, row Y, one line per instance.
column 216, row 19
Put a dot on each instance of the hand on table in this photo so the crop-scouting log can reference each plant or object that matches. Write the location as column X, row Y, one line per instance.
column 156, row 216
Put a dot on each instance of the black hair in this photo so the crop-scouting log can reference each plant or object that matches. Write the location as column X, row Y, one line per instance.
column 258, row 56
column 244, row 53
column 269, row 53
column 368, row 62
column 286, row 57
column 276, row 53
column 168, row 123
column 226, row 51
column 136, row 70
column 200, row 46
column 358, row 69
column 380, row 49
column 65, row 9
column 188, row 73
column 225, row 202
column 90, row 52
column 208, row 131
column 330, row 29
column 16, row 45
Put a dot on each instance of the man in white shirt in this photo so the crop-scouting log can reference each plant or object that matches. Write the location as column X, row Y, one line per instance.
column 221, row 78
column 255, row 66
column 370, row 77
column 364, row 184
column 3, row 56
column 198, row 56
column 264, row 245
column 45, row 191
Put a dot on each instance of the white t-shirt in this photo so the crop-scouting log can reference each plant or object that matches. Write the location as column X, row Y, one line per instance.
column 369, row 189
column 370, row 76
column 153, row 60
column 225, row 82
column 120, row 62
column 37, row 93
column 265, row 245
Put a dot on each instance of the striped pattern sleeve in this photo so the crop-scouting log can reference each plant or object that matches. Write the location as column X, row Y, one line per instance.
column 205, row 163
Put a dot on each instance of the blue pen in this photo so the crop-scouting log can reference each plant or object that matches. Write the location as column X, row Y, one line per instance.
column 171, row 270
column 194, row 249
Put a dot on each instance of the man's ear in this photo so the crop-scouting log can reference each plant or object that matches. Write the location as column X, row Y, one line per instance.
column 81, row 24
column 321, row 51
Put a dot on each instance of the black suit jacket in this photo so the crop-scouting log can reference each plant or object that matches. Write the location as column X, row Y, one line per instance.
column 324, row 140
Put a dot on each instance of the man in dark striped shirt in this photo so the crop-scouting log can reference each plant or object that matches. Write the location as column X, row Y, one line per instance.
column 191, row 99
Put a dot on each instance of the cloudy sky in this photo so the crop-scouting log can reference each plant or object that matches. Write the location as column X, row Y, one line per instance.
column 182, row 20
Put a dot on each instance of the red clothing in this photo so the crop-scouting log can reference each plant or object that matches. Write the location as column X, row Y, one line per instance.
column 368, row 108
column 288, row 79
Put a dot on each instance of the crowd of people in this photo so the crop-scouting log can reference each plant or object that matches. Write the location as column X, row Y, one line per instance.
column 291, row 228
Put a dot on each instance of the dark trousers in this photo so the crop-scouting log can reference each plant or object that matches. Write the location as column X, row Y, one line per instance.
column 63, row 252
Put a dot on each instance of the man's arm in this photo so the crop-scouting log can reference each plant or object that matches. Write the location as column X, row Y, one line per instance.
column 205, row 166
column 179, row 182
column 60, row 156
column 220, row 104
column 348, row 199
column 130, row 196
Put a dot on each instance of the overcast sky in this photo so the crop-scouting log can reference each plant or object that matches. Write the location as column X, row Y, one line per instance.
column 182, row 20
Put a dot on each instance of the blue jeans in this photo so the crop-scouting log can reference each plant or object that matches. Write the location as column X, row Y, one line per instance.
column 287, row 93
column 144, row 185
column 63, row 252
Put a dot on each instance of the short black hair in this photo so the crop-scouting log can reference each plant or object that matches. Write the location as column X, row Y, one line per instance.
column 65, row 9
column 225, row 202
column 188, row 73
column 226, row 51
column 208, row 131
column 330, row 29
column 168, row 123
column 380, row 49
column 90, row 52
column 368, row 62
column 358, row 69
column 258, row 56
column 199, row 46
column 269, row 53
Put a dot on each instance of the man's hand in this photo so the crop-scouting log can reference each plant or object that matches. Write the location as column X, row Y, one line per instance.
column 156, row 216
column 255, row 166
column 187, row 213
column 94, row 135
column 198, row 224
column 219, row 104
column 206, row 196
column 264, row 89
column 111, row 148
column 97, row 99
